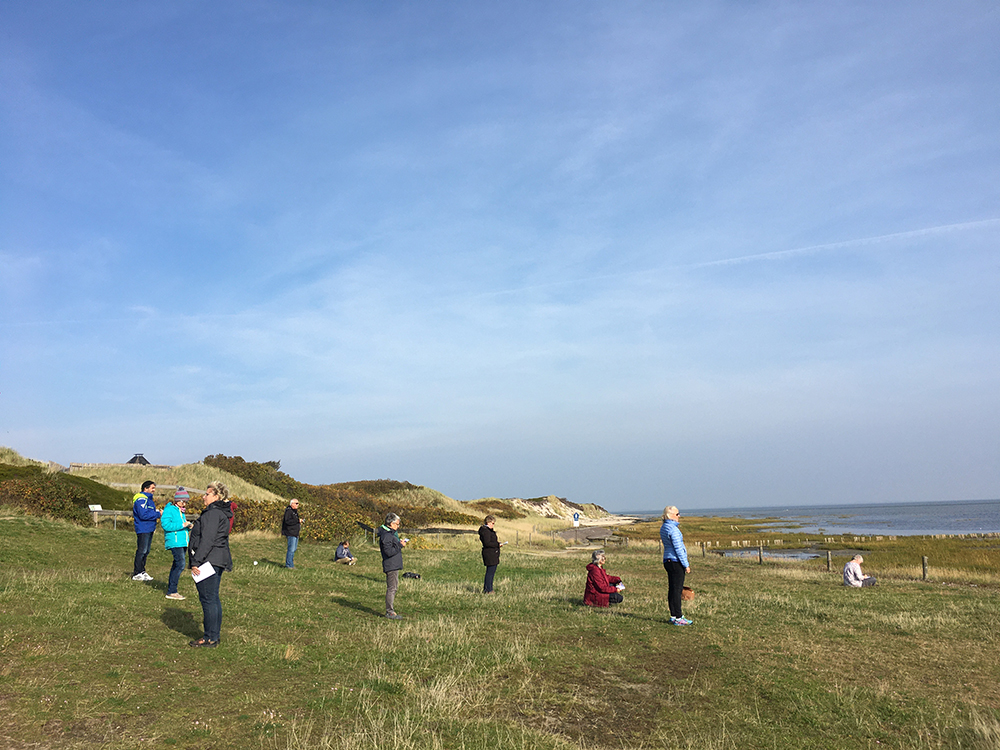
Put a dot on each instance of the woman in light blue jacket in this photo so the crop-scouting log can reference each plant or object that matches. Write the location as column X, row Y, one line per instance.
column 175, row 534
column 675, row 562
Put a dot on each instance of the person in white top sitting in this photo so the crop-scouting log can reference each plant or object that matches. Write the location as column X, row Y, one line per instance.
column 853, row 576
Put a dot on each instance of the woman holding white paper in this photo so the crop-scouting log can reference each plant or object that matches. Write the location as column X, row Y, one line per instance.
column 209, row 556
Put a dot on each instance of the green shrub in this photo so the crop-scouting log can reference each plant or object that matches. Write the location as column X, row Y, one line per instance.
column 266, row 475
column 39, row 492
column 42, row 496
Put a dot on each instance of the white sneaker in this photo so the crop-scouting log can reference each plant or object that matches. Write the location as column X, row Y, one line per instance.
column 138, row 577
column 176, row 597
column 146, row 576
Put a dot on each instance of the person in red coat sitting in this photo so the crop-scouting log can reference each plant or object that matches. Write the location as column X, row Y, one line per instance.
column 602, row 589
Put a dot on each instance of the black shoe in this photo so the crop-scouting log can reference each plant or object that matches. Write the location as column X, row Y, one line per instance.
column 203, row 643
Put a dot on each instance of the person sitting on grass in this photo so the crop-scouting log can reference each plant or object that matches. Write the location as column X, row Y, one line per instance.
column 343, row 554
column 853, row 576
column 602, row 589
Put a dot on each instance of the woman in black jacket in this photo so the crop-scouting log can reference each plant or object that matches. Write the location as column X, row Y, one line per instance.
column 491, row 551
column 210, row 545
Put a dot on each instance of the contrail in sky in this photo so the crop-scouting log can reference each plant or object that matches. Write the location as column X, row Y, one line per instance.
column 774, row 255
column 778, row 254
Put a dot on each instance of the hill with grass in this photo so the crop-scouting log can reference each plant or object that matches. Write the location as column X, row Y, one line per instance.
column 260, row 490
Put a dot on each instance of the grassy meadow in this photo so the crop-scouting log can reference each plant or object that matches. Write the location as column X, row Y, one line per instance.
column 779, row 656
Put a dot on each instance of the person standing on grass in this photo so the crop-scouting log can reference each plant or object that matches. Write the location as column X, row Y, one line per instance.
column 290, row 526
column 391, row 547
column 144, row 518
column 343, row 554
column 853, row 576
column 675, row 562
column 602, row 589
column 491, row 551
column 175, row 538
column 210, row 544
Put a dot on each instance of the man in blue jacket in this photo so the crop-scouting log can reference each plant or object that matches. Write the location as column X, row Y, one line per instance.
column 144, row 518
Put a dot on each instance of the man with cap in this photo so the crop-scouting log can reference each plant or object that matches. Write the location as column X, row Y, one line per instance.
column 175, row 538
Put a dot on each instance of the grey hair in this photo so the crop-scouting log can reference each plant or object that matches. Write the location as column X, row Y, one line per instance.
column 391, row 518
column 858, row 558
column 596, row 555
column 669, row 510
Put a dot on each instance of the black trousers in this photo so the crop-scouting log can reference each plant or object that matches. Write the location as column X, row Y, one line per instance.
column 675, row 587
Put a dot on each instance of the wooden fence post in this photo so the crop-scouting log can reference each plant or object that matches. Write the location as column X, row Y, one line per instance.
column 760, row 555
column 829, row 561
column 924, row 561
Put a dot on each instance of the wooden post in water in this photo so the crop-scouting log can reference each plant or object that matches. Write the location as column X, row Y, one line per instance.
column 829, row 561
column 924, row 561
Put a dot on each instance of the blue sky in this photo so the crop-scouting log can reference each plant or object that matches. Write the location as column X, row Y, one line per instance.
column 711, row 254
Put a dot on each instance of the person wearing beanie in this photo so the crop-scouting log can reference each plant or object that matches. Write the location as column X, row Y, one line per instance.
column 175, row 538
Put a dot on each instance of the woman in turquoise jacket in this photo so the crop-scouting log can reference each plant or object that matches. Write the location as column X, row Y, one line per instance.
column 175, row 534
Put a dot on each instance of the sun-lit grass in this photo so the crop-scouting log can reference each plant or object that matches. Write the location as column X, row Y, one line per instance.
column 13, row 458
column 189, row 475
column 780, row 655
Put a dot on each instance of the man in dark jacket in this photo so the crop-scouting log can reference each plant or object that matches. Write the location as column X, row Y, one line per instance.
column 290, row 525
column 210, row 545
column 144, row 518
column 391, row 547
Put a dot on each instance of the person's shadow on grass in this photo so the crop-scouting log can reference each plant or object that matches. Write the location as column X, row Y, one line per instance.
column 351, row 604
column 181, row 621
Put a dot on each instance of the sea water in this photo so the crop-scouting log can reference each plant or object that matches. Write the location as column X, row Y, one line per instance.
column 900, row 519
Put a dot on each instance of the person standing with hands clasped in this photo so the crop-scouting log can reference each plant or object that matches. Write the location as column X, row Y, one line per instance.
column 675, row 562
column 491, row 551
column 391, row 547
column 290, row 527
column 210, row 556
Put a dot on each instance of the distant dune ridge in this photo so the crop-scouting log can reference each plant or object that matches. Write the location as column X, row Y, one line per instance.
column 400, row 494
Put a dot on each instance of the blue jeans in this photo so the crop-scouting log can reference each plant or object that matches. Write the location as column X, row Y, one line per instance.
column 211, row 605
column 142, row 545
column 176, row 568
column 491, row 571
column 293, row 544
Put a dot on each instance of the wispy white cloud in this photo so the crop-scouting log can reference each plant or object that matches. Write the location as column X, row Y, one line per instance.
column 530, row 250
